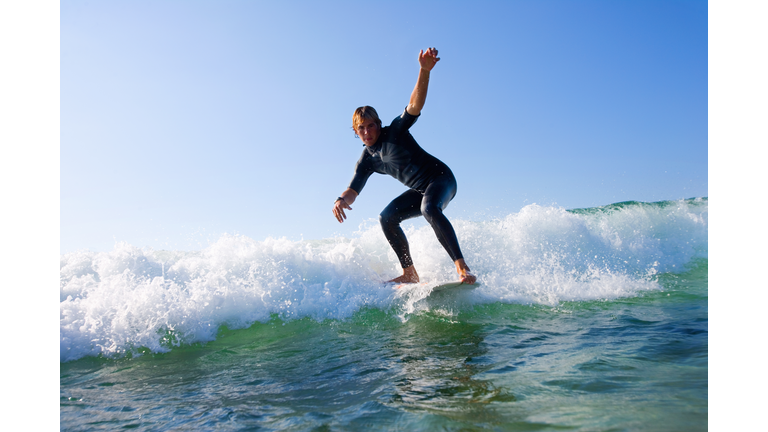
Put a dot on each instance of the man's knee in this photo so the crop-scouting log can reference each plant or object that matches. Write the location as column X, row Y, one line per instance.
column 386, row 219
column 431, row 211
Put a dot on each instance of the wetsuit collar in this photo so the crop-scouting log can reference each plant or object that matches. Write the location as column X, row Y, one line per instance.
column 374, row 148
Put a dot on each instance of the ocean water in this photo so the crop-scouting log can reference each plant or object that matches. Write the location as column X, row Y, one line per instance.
column 590, row 319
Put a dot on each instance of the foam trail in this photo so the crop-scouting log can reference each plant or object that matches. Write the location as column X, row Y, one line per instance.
column 115, row 302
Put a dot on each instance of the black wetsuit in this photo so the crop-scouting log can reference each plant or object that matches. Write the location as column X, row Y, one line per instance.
column 432, row 186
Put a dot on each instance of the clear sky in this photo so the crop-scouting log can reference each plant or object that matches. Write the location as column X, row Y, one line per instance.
column 147, row 121
column 183, row 120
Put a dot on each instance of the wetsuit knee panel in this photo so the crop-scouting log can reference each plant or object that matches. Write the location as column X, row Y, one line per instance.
column 384, row 218
column 430, row 210
column 390, row 216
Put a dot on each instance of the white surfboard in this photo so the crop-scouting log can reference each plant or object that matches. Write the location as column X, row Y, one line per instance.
column 438, row 285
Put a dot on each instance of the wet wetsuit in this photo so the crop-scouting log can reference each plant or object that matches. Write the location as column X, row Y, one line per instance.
column 432, row 186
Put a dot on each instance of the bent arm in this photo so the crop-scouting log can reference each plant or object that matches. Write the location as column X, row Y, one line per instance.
column 347, row 197
column 427, row 61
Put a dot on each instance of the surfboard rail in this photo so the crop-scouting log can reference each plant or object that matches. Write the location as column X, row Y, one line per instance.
column 438, row 285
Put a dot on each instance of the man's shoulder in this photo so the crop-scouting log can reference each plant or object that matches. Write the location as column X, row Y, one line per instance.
column 403, row 122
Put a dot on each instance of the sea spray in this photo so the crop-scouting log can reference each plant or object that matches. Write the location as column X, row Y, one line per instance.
column 118, row 302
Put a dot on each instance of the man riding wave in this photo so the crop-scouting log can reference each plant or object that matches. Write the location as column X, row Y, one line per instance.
column 392, row 150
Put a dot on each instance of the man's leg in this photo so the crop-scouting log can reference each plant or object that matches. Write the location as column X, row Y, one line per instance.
column 406, row 206
column 436, row 198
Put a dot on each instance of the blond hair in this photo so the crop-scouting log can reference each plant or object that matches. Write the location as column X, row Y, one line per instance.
column 364, row 113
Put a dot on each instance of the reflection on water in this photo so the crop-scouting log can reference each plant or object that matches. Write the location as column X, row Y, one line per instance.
column 437, row 363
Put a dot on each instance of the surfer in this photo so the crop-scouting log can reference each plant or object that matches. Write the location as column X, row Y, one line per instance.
column 392, row 150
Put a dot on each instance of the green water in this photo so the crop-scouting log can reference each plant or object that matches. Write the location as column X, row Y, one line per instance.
column 629, row 364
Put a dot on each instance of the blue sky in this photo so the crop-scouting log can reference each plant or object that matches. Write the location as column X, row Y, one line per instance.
column 100, row 144
column 184, row 120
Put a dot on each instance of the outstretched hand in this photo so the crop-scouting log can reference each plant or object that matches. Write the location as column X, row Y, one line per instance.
column 428, row 59
column 338, row 210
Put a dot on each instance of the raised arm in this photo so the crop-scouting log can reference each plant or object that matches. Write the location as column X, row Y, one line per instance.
column 427, row 60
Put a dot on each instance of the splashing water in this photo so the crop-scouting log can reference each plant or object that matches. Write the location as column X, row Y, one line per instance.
column 116, row 302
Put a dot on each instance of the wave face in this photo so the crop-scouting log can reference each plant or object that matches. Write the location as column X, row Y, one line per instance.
column 116, row 303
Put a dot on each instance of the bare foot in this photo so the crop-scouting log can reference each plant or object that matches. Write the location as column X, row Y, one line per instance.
column 465, row 276
column 468, row 278
column 409, row 276
column 403, row 279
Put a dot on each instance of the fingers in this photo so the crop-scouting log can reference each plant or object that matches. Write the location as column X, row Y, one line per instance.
column 429, row 56
column 430, row 52
column 338, row 211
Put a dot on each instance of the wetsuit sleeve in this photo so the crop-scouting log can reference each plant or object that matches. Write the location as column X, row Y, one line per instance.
column 363, row 170
column 403, row 122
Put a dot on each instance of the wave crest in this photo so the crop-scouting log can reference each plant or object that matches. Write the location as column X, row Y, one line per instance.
column 113, row 303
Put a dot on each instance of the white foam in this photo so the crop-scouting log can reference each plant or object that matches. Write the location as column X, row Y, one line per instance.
column 118, row 301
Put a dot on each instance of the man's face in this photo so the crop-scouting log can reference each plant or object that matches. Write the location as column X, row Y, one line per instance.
column 368, row 131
